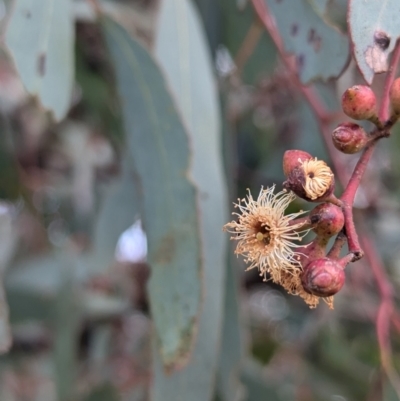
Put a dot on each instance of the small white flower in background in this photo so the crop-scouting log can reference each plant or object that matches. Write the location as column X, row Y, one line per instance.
column 132, row 244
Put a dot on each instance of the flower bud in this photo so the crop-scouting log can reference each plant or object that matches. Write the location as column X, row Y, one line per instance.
column 323, row 277
column 395, row 96
column 327, row 220
column 359, row 102
column 311, row 180
column 293, row 159
column 349, row 138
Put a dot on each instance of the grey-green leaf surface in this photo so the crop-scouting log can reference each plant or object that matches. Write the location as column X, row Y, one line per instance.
column 258, row 388
column 182, row 51
column 374, row 29
column 40, row 38
column 66, row 324
column 105, row 392
column 5, row 332
column 117, row 213
column 321, row 51
column 158, row 144
column 229, row 385
column 320, row 6
column 333, row 12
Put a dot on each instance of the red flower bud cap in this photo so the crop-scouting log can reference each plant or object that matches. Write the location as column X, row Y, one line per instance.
column 359, row 103
column 349, row 138
column 293, row 159
column 395, row 96
column 327, row 220
column 311, row 180
column 323, row 277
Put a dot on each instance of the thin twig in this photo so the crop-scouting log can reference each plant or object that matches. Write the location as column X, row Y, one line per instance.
column 337, row 246
column 385, row 311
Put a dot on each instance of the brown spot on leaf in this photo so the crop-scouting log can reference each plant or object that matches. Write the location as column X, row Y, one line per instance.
column 41, row 64
column 177, row 360
column 165, row 251
column 311, row 35
column 317, row 44
column 382, row 40
column 314, row 39
column 294, row 29
column 300, row 62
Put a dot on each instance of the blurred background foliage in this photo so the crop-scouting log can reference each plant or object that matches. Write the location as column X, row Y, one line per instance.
column 157, row 116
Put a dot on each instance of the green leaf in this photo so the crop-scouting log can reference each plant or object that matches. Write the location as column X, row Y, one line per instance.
column 66, row 324
column 333, row 12
column 258, row 388
column 96, row 305
column 229, row 386
column 389, row 392
column 40, row 38
column 158, row 144
column 374, row 30
column 319, row 6
column 5, row 333
column 32, row 286
column 117, row 213
column 321, row 51
column 37, row 275
column 105, row 392
column 182, row 51
column 235, row 26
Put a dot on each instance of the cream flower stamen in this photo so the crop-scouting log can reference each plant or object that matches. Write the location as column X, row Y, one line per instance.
column 318, row 178
column 266, row 236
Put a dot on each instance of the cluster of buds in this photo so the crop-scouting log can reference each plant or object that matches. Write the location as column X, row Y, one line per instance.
column 359, row 103
column 269, row 239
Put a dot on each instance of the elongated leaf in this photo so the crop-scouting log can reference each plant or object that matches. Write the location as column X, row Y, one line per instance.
column 40, row 38
column 66, row 324
column 31, row 288
column 5, row 332
column 105, row 392
column 320, row 6
column 117, row 214
column 236, row 23
column 158, row 144
column 321, row 51
column 232, row 353
column 182, row 52
column 258, row 389
column 333, row 12
column 8, row 242
column 374, row 29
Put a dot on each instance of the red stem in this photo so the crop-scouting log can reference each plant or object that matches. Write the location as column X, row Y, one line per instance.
column 394, row 62
column 350, row 192
column 354, row 182
column 337, row 246
column 316, row 104
column 348, row 200
column 385, row 311
column 269, row 24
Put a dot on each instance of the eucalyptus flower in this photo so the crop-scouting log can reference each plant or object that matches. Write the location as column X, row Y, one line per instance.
column 266, row 236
